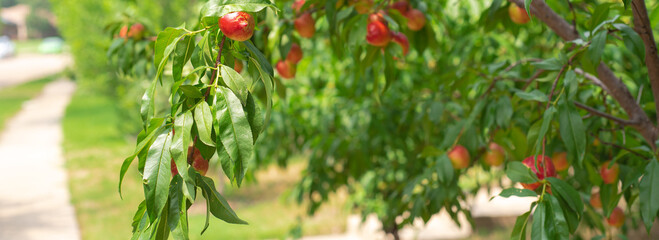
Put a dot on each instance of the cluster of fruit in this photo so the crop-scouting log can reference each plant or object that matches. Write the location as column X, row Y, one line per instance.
column 378, row 33
column 543, row 167
column 136, row 31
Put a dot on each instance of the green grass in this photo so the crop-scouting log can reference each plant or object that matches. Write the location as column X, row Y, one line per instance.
column 95, row 148
column 13, row 97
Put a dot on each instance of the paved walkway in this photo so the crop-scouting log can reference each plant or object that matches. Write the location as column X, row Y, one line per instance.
column 34, row 197
column 30, row 67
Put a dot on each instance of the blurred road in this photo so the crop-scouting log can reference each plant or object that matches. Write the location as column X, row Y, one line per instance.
column 34, row 199
column 29, row 67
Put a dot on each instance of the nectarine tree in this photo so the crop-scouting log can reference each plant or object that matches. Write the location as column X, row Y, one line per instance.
column 399, row 126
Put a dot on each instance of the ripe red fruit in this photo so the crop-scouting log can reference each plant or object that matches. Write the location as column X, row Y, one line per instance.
column 401, row 40
column 237, row 26
column 494, row 155
column 560, row 161
column 123, row 32
column 595, row 200
column 518, row 15
column 415, row 19
column 305, row 25
column 136, row 31
column 363, row 6
column 459, row 157
column 378, row 34
column 402, row 6
column 173, row 168
column 197, row 161
column 238, row 65
column 609, row 174
column 297, row 5
column 377, row 17
column 544, row 169
column 617, row 218
column 286, row 69
column 295, row 54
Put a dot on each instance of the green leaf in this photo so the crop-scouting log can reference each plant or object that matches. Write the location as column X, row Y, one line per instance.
column 183, row 53
column 519, row 172
column 535, row 95
column 254, row 117
column 504, row 111
column 191, row 91
column 204, row 120
column 597, row 47
column 572, row 131
column 546, row 121
column 263, row 63
column 164, row 47
column 217, row 204
column 175, row 199
column 527, row 6
column 235, row 82
column 551, row 64
column 147, row 107
column 144, row 139
column 139, row 215
column 218, row 8
column 157, row 173
column 180, row 142
column 649, row 194
column 519, row 231
column 445, row 170
column 568, row 194
column 235, row 132
column 508, row 192
column 555, row 211
column 267, row 82
column 538, row 229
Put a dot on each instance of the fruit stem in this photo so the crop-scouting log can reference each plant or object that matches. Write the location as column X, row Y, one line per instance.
column 217, row 63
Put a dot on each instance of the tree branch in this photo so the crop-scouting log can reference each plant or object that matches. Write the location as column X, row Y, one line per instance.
column 621, row 121
column 644, row 29
column 617, row 88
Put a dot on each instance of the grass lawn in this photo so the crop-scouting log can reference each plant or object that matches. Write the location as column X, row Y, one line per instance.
column 94, row 149
column 12, row 98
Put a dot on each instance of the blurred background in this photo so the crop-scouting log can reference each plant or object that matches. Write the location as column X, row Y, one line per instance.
column 64, row 56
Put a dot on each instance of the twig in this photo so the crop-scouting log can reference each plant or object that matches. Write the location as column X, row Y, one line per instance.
column 619, row 146
column 592, row 78
column 621, row 121
column 217, row 63
column 532, row 78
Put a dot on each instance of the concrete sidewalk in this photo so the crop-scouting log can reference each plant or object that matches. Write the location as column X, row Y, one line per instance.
column 30, row 67
column 34, row 196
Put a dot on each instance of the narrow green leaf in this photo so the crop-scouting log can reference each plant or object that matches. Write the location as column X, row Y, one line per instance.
column 538, row 228
column 254, row 117
column 551, row 64
column 218, row 8
column 267, row 82
column 163, row 41
column 235, row 82
column 535, row 95
column 572, row 131
column 157, row 174
column 508, row 192
column 261, row 59
column 649, row 194
column 217, row 204
column 180, row 142
column 554, row 209
column 597, row 47
column 519, row 231
column 445, row 171
column 527, row 6
column 139, row 215
column 518, row 172
column 204, row 120
column 235, row 132
column 191, row 91
column 147, row 107
column 144, row 140
column 546, row 121
column 568, row 194
column 183, row 53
